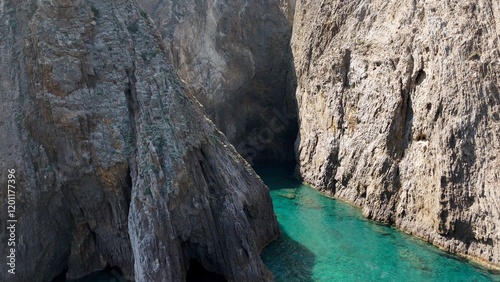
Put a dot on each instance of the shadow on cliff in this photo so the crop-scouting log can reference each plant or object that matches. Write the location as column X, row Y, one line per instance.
column 197, row 273
column 272, row 126
column 289, row 260
column 110, row 274
column 278, row 176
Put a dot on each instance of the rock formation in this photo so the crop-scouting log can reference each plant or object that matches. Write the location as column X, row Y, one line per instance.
column 399, row 113
column 115, row 165
column 234, row 56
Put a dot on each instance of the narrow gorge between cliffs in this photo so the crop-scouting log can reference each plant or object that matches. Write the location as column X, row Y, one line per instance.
column 323, row 239
column 249, row 141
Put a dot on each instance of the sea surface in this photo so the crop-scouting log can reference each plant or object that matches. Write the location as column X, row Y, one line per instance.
column 324, row 239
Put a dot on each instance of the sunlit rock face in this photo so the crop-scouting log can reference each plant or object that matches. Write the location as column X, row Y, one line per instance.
column 399, row 113
column 234, row 56
column 115, row 165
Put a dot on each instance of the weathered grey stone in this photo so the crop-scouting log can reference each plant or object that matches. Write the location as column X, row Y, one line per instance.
column 115, row 164
column 234, row 56
column 399, row 114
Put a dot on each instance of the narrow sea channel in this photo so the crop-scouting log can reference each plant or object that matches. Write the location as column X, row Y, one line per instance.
column 326, row 240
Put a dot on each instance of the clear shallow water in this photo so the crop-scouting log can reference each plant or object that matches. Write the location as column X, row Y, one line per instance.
column 328, row 240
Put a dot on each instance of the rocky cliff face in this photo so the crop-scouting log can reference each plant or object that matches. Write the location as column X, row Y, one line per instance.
column 114, row 164
column 234, row 56
column 399, row 111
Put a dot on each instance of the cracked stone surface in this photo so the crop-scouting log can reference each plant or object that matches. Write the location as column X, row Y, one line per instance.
column 399, row 112
column 234, row 56
column 115, row 164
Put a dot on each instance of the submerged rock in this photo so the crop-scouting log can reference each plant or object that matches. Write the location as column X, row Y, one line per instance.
column 115, row 165
column 399, row 114
column 234, row 56
column 288, row 193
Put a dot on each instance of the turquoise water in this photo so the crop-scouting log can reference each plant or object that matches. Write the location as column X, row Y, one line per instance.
column 327, row 240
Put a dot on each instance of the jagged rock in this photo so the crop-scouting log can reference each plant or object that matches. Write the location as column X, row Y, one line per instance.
column 234, row 56
column 399, row 114
column 115, row 165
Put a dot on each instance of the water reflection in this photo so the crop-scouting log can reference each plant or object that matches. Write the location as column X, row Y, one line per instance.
column 290, row 260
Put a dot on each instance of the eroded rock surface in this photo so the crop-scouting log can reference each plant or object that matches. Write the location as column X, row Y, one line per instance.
column 115, row 164
column 234, row 56
column 399, row 110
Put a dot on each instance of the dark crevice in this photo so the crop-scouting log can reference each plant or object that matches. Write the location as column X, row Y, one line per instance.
column 131, row 95
column 402, row 123
column 421, row 137
column 346, row 65
column 197, row 273
column 89, row 80
column 131, row 143
column 330, row 171
column 407, row 113
column 127, row 189
column 116, row 272
column 463, row 231
column 438, row 112
column 60, row 277
column 207, row 172
column 420, row 77
column 92, row 233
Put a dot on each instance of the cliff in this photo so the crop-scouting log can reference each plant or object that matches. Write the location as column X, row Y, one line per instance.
column 234, row 56
column 399, row 112
column 115, row 165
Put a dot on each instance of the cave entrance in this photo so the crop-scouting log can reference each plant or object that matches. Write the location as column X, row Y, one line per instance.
column 271, row 139
column 197, row 273
column 61, row 277
column 114, row 274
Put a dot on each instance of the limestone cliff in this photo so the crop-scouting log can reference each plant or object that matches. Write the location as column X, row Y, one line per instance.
column 399, row 112
column 234, row 56
column 114, row 164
